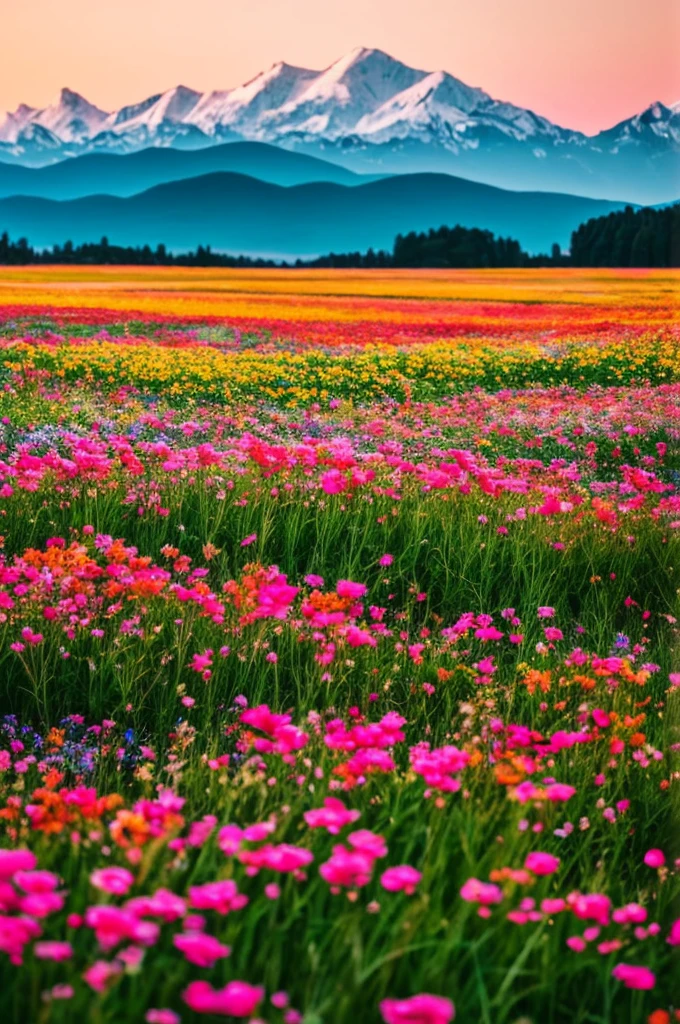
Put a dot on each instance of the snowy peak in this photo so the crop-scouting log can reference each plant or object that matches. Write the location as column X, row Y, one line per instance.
column 171, row 107
column 336, row 100
column 434, row 98
column 71, row 118
column 14, row 122
column 655, row 123
column 239, row 110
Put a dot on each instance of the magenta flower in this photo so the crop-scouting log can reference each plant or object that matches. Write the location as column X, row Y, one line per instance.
column 486, row 893
column 333, row 816
column 57, row 951
column 655, row 858
column 541, row 863
column 351, row 590
column 222, row 897
column 200, row 949
column 420, row 1009
column 115, row 881
column 634, row 977
column 237, row 999
column 12, row 861
column 401, row 879
column 333, row 482
column 100, row 973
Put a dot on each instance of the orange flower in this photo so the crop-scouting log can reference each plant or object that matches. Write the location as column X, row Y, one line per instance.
column 534, row 679
column 55, row 737
column 632, row 723
column 129, row 829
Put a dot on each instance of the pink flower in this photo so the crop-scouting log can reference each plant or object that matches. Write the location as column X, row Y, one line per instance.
column 57, row 951
column 674, row 934
column 282, row 858
column 221, row 897
column 488, row 633
column 593, row 906
column 15, row 934
column 559, row 792
column 12, row 861
column 353, row 591
column 41, row 904
column 654, row 858
column 553, row 905
column 36, row 882
column 634, row 977
column 368, row 843
column 385, row 560
column 62, row 992
column 332, row 816
column 421, row 1009
column 541, row 863
column 100, row 973
column 250, row 539
column 347, row 868
column 163, row 904
column 486, row 893
column 632, row 913
column 200, row 949
column 237, row 999
column 401, row 879
column 333, row 482
column 162, row 1017
column 112, row 925
column 116, row 881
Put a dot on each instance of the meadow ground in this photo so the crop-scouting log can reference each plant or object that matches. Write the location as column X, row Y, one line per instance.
column 339, row 646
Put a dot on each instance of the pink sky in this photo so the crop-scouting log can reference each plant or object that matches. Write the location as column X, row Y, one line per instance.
column 583, row 63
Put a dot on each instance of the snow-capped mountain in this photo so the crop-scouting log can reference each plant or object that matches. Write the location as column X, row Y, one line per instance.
column 656, row 124
column 69, row 119
column 370, row 112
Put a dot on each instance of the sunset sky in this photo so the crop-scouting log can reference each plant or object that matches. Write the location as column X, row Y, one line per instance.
column 583, row 63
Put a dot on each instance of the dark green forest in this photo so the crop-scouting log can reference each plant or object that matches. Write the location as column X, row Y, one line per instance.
column 629, row 238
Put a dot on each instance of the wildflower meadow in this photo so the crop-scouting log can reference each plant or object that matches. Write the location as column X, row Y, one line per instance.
column 340, row 664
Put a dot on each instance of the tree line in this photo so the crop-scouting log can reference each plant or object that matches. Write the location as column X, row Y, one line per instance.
column 629, row 238
column 20, row 253
column 626, row 238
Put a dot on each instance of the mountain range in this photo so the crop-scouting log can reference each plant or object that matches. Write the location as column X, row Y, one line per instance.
column 237, row 213
column 369, row 113
column 125, row 175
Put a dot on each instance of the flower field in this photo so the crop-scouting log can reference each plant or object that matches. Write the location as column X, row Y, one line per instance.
column 339, row 646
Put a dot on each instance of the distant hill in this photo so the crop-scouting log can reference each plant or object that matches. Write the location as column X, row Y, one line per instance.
column 125, row 175
column 236, row 213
